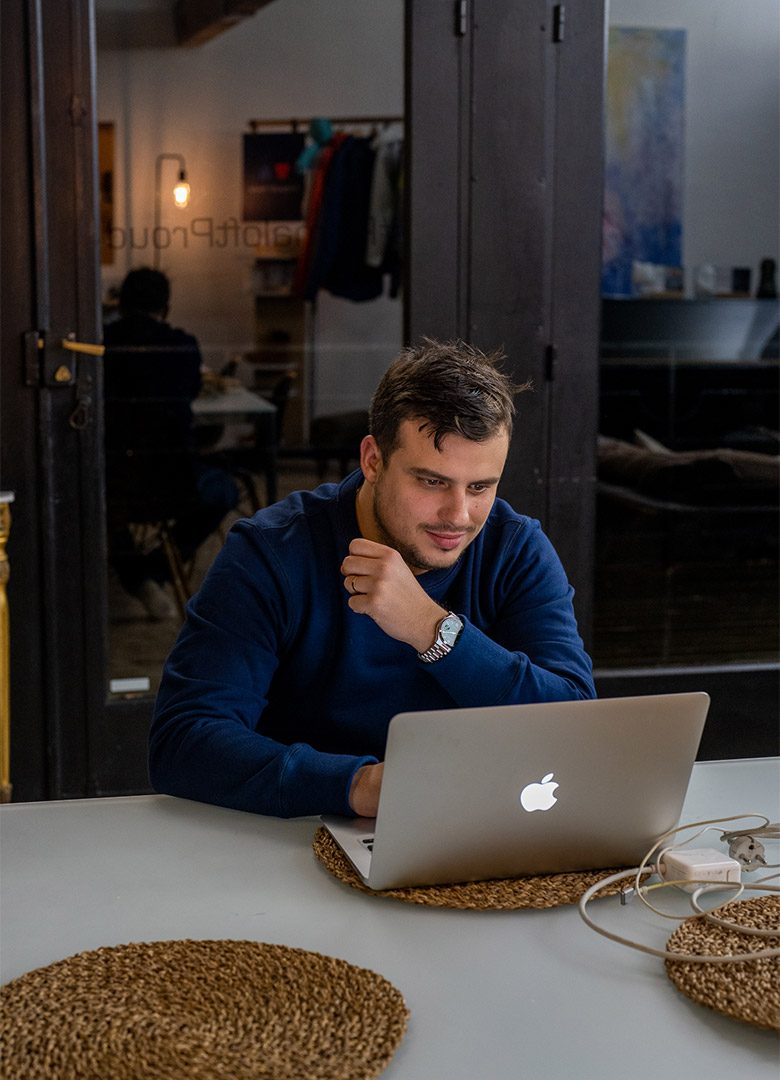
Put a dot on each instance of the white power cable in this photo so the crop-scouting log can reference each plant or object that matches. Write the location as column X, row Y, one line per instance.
column 726, row 923
column 771, row 831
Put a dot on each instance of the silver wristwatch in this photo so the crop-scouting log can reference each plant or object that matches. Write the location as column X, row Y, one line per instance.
column 447, row 634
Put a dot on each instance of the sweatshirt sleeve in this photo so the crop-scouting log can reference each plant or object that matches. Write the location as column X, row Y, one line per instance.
column 204, row 741
column 531, row 650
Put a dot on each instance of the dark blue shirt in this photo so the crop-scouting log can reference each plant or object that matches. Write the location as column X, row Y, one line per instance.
column 276, row 692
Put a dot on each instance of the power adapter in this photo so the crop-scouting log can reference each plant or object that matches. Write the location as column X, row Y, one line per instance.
column 699, row 864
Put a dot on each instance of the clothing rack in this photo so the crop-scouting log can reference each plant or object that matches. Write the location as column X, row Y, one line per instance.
column 338, row 121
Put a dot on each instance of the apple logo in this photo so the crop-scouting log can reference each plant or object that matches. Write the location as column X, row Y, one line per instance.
column 539, row 796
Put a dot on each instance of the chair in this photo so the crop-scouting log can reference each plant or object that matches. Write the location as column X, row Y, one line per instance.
column 338, row 436
column 177, row 570
column 245, row 462
column 148, row 517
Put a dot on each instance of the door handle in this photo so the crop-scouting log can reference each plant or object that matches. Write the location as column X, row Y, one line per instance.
column 49, row 359
column 83, row 347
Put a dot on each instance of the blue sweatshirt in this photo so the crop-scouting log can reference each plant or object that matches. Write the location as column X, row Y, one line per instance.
column 275, row 692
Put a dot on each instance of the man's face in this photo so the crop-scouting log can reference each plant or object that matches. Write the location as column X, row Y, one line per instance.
column 429, row 504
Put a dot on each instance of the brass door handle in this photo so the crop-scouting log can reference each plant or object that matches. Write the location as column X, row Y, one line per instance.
column 76, row 346
column 83, row 347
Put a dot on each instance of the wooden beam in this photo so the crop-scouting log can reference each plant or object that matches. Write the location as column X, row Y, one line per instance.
column 198, row 21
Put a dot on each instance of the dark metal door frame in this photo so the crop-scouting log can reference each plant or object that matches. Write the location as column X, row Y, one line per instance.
column 52, row 438
column 505, row 120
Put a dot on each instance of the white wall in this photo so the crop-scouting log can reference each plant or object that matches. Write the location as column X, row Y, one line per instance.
column 293, row 58
column 731, row 197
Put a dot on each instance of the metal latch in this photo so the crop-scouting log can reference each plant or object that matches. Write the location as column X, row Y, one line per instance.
column 49, row 359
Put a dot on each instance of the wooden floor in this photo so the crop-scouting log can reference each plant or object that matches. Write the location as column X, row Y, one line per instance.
column 650, row 609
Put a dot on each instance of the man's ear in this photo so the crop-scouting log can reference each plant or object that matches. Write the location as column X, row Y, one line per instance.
column 370, row 458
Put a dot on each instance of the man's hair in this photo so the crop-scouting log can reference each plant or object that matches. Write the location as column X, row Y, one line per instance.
column 450, row 387
column 144, row 290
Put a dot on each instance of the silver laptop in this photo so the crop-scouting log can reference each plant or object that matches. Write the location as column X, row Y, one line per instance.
column 471, row 794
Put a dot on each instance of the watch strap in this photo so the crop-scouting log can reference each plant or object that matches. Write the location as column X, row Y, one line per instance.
column 436, row 652
column 440, row 647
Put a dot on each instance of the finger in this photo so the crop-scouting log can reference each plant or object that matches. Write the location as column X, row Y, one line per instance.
column 356, row 586
column 369, row 548
column 359, row 565
column 360, row 604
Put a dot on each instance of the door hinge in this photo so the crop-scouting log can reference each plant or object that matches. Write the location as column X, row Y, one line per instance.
column 461, row 17
column 559, row 22
column 550, row 361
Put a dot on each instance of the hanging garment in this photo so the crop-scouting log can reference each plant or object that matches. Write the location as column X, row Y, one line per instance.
column 314, row 203
column 320, row 134
column 339, row 260
column 384, row 199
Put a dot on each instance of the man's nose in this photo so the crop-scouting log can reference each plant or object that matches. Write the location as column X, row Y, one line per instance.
column 454, row 509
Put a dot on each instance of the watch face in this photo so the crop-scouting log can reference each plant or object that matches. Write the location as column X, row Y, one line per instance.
column 449, row 629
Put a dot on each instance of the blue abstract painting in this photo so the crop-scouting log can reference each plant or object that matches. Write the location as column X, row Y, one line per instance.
column 644, row 153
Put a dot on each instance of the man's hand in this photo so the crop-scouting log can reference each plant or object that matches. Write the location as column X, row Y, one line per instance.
column 364, row 792
column 382, row 586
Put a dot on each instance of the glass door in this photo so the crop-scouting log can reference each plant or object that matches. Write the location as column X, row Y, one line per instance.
column 687, row 494
column 284, row 303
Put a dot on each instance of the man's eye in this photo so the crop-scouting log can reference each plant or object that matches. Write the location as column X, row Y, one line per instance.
column 479, row 488
column 430, row 481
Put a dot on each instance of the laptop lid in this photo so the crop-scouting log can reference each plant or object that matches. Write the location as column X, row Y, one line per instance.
column 504, row 791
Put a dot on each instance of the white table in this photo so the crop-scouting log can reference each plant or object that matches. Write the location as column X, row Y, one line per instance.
column 237, row 405
column 493, row 995
column 234, row 404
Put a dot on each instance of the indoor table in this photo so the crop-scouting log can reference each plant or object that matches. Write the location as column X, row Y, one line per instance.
column 492, row 995
column 237, row 405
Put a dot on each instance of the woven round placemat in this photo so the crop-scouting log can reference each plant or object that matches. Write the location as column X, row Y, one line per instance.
column 498, row 894
column 199, row 1010
column 747, row 990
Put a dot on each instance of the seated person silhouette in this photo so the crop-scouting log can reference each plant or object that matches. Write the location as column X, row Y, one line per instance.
column 153, row 472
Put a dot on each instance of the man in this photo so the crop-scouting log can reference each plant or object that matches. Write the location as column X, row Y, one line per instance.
column 406, row 586
column 152, row 374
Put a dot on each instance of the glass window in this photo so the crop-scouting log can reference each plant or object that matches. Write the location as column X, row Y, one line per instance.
column 259, row 170
column 687, row 512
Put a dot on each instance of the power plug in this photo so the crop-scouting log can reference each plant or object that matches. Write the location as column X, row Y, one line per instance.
column 697, row 865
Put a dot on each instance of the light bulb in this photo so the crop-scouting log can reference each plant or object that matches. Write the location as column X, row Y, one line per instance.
column 181, row 193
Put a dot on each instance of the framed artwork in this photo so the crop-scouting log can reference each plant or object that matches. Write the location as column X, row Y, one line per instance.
column 644, row 154
column 273, row 190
